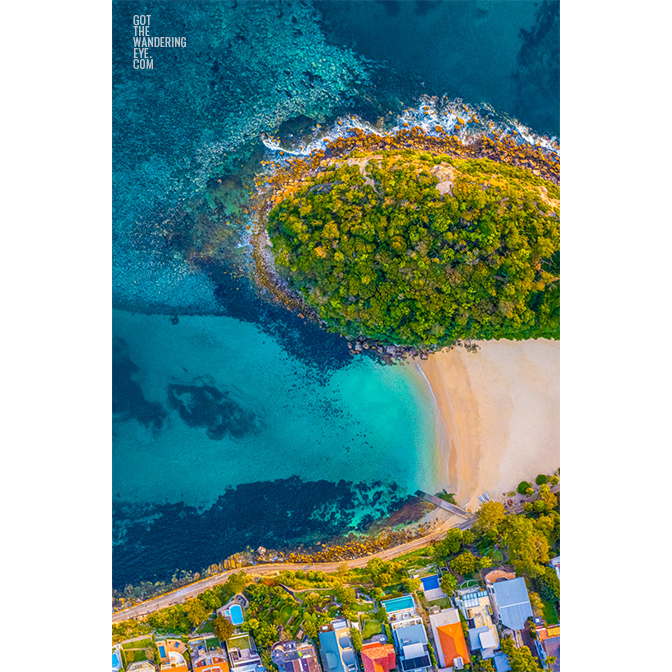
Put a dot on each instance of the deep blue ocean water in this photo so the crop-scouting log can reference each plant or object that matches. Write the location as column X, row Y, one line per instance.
column 235, row 422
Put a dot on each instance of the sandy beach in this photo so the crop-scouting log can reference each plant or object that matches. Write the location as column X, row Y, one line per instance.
column 498, row 415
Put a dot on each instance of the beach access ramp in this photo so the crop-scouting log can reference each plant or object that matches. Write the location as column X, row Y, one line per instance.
column 437, row 501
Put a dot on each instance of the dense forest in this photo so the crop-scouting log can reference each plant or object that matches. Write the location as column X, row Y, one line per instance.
column 413, row 249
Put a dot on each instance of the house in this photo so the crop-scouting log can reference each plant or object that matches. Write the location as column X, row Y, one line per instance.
column 336, row 652
column 482, row 639
column 451, row 648
column 294, row 657
column 207, row 659
column 475, row 606
column 431, row 587
column 548, row 644
column 412, row 650
column 378, row 657
column 243, row 655
column 408, row 633
column 510, row 602
column 171, row 655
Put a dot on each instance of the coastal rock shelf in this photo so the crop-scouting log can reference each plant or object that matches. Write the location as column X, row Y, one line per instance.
column 411, row 242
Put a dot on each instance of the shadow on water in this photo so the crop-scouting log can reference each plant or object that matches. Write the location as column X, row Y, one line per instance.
column 128, row 399
column 275, row 514
column 325, row 352
column 208, row 406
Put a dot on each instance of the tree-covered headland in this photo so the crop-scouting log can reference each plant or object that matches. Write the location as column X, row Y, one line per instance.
column 422, row 249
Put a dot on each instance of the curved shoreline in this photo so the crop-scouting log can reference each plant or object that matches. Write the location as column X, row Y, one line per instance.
column 498, row 415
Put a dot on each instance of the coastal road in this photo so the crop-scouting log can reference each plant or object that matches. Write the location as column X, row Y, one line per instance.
column 193, row 589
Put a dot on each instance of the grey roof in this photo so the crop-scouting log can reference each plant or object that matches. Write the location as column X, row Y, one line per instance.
column 513, row 602
column 410, row 634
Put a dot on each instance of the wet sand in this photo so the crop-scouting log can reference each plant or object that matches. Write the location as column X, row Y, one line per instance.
column 498, row 415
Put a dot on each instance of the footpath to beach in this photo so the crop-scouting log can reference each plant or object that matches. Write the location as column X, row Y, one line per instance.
column 498, row 415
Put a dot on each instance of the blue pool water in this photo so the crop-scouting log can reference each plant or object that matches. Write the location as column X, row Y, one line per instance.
column 162, row 652
column 235, row 614
column 430, row 582
column 398, row 604
column 115, row 661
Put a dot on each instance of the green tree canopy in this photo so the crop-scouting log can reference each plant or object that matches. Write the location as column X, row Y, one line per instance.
column 421, row 250
column 236, row 582
column 491, row 515
column 448, row 584
column 521, row 660
column 223, row 628
column 548, row 584
column 527, row 544
column 196, row 611
column 464, row 564
column 524, row 488
column 356, row 639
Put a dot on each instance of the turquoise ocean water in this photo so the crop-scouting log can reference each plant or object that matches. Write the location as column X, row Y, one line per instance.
column 365, row 421
column 235, row 423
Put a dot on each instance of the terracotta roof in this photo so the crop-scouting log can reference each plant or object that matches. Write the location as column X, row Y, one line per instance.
column 452, row 643
column 378, row 657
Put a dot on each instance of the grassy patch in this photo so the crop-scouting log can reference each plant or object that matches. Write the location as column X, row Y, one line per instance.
column 441, row 602
column 286, row 613
column 212, row 642
column 415, row 555
column 132, row 656
column 371, row 627
column 239, row 641
column 320, row 591
column 138, row 644
column 549, row 613
column 363, row 608
column 206, row 627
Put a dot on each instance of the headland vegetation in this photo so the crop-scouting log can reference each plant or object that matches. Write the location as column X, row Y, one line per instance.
column 415, row 241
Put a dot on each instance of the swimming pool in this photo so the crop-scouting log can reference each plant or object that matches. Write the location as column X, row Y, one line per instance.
column 235, row 614
column 115, row 661
column 162, row 651
column 430, row 582
column 398, row 603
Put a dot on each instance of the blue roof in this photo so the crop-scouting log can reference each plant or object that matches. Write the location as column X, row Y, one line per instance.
column 336, row 650
column 501, row 662
column 474, row 641
column 410, row 634
column 513, row 603
column 331, row 655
